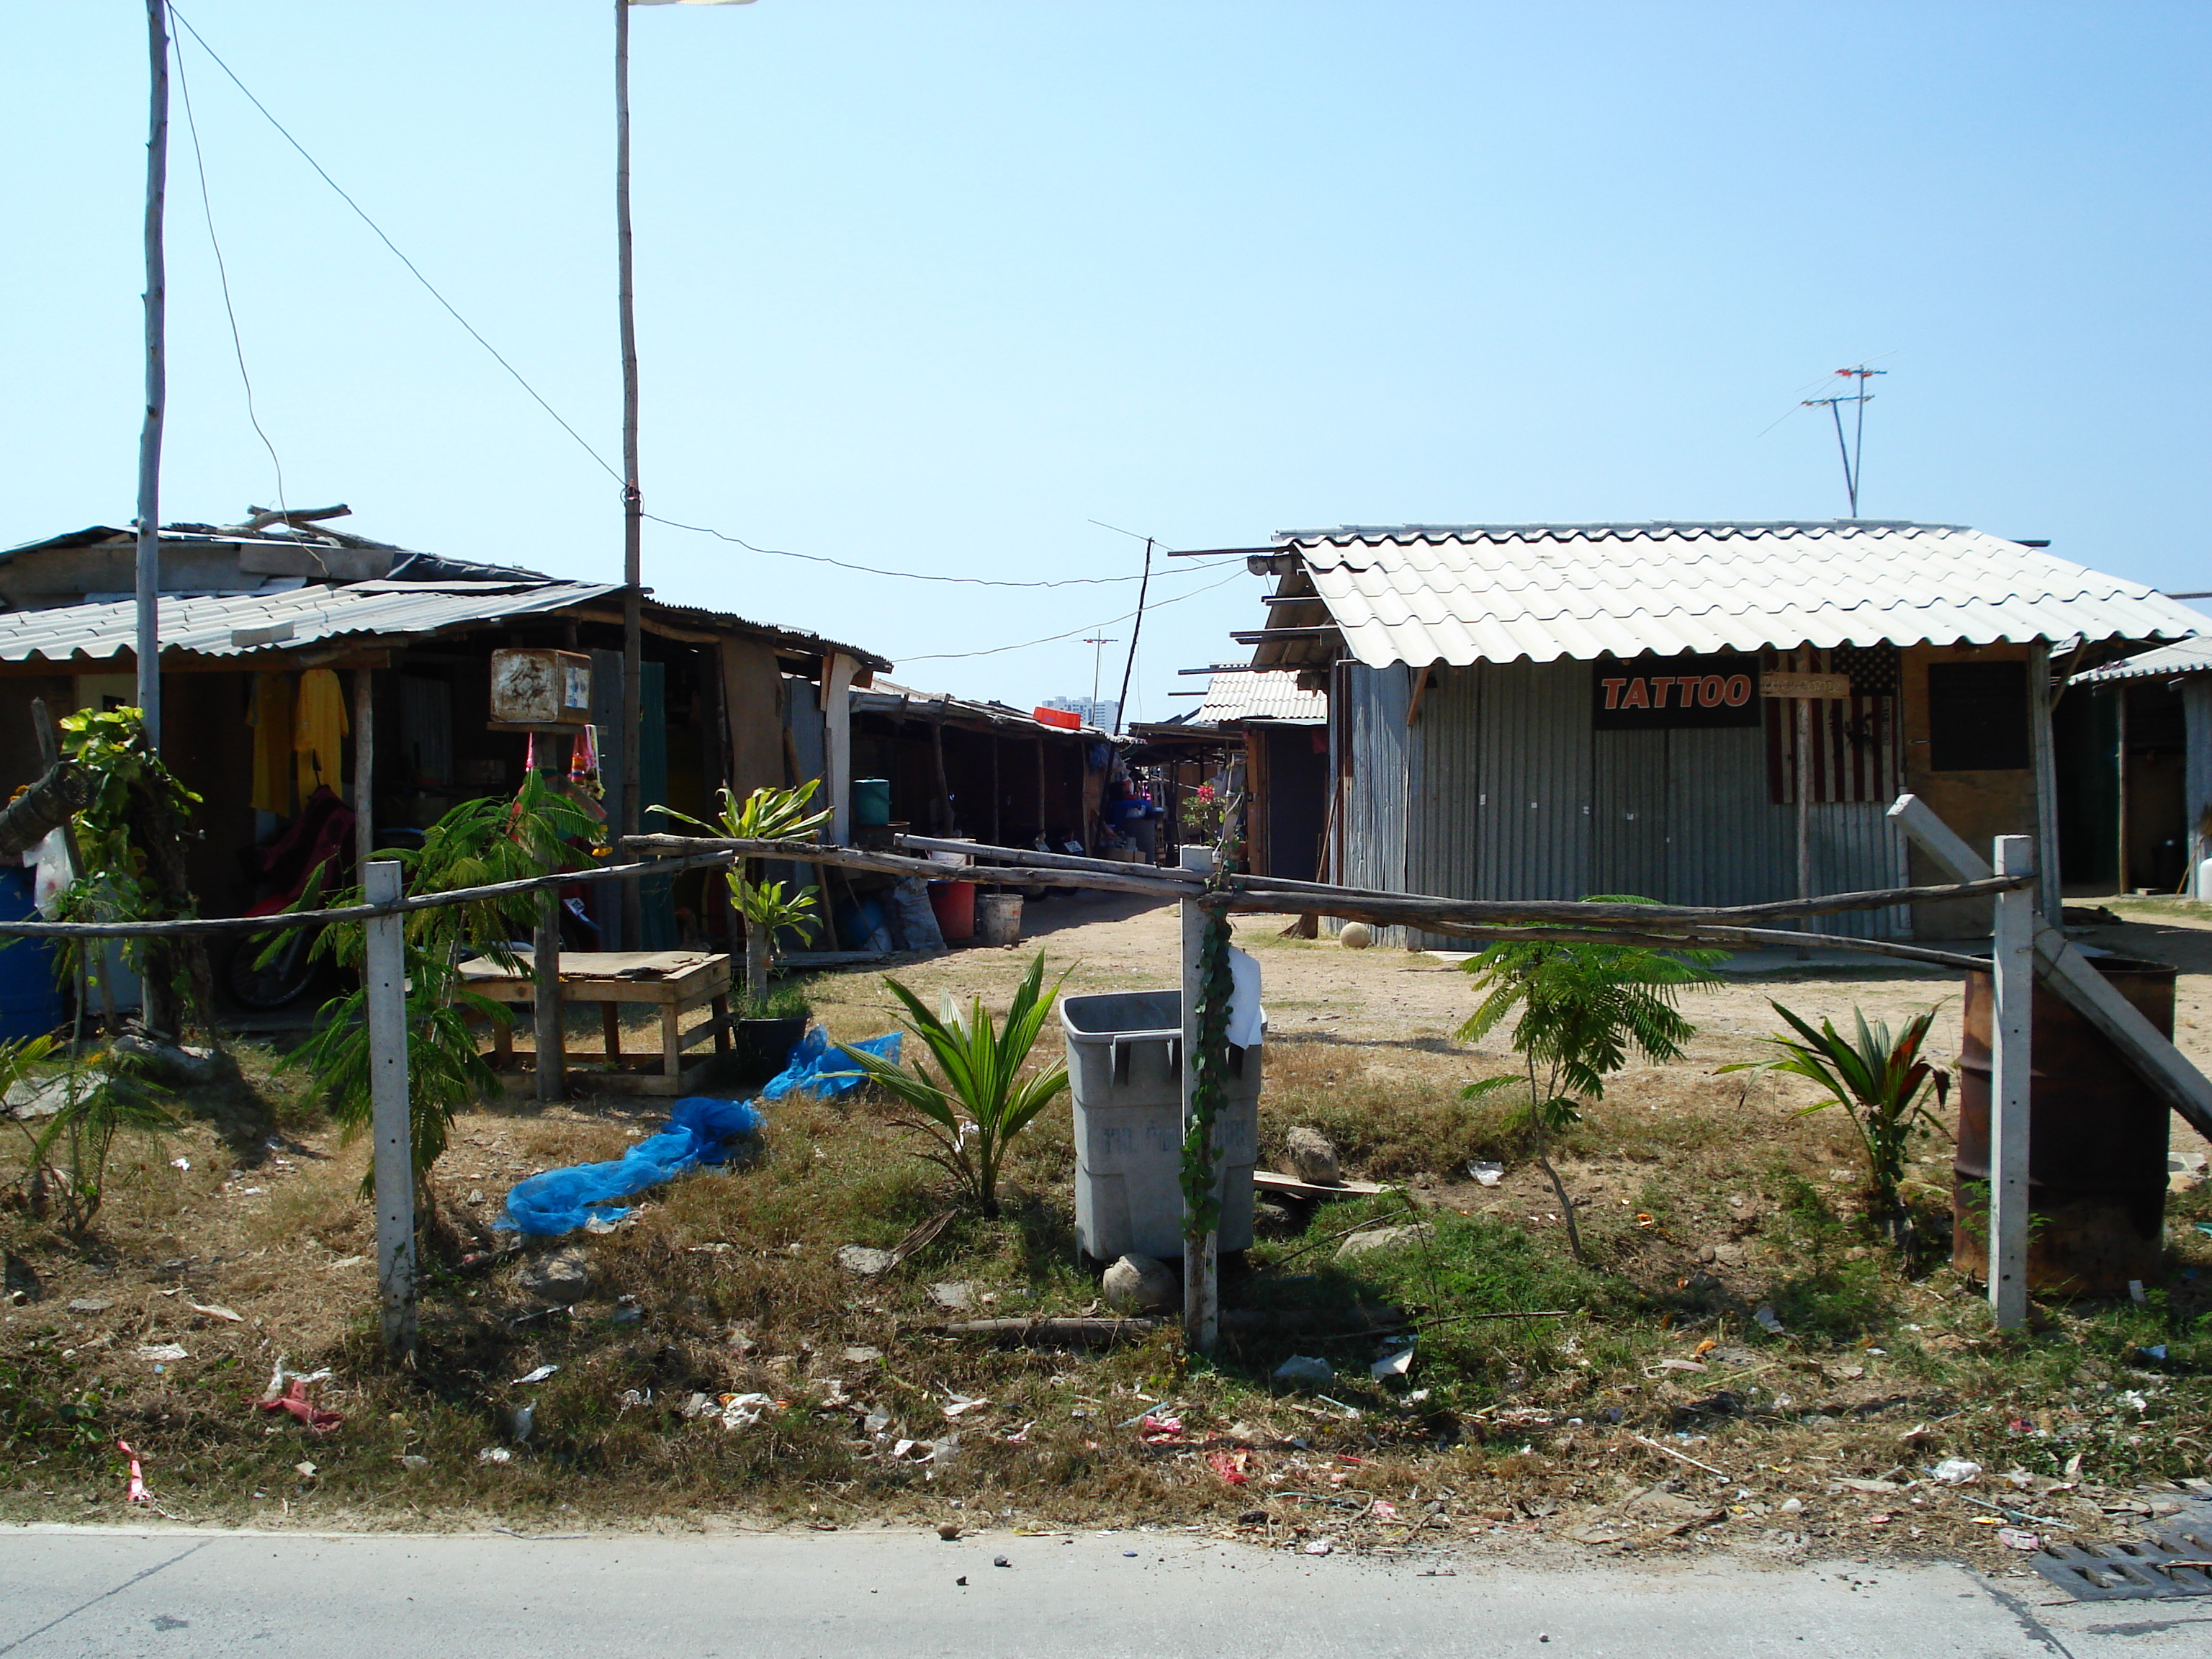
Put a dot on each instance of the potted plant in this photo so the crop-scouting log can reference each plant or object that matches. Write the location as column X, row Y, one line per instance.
column 768, row 1027
column 774, row 1017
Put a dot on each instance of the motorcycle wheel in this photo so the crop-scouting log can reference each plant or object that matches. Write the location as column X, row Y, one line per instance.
column 289, row 975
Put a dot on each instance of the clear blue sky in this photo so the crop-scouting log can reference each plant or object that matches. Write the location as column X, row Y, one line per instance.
column 933, row 285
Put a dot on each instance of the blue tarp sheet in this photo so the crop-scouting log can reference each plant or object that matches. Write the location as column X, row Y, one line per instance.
column 697, row 1131
column 819, row 1069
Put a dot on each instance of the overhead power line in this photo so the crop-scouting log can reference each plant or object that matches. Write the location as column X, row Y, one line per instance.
column 999, row 650
column 222, row 278
column 538, row 398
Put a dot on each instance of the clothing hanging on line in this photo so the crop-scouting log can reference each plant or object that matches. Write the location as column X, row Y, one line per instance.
column 318, row 733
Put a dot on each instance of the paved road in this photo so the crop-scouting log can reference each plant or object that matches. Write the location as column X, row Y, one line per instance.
column 194, row 1595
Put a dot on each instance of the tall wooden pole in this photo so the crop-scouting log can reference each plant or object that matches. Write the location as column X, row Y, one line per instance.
column 147, row 641
column 632, row 501
column 547, row 1037
column 2012, row 976
column 384, row 985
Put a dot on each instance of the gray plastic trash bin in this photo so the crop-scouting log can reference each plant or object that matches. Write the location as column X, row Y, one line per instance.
column 1124, row 1059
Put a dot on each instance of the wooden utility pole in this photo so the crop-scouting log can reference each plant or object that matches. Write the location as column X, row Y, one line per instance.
column 547, row 1039
column 385, row 983
column 633, row 500
column 147, row 641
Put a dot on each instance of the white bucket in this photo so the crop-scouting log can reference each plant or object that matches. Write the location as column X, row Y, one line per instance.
column 998, row 918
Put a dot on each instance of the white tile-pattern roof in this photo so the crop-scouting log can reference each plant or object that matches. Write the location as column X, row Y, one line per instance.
column 1244, row 697
column 1499, row 592
column 2188, row 657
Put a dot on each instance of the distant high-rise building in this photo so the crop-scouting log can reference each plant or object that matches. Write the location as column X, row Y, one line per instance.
column 1101, row 713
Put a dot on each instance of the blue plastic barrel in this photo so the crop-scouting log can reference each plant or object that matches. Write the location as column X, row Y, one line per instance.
column 30, row 1001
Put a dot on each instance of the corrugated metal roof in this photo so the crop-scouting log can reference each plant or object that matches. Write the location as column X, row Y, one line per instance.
column 213, row 625
column 2188, row 657
column 884, row 698
column 208, row 627
column 1248, row 696
column 1464, row 594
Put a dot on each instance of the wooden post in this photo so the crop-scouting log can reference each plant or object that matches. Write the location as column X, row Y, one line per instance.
column 2067, row 971
column 2123, row 877
column 1803, row 708
column 837, row 671
column 385, row 982
column 546, row 1035
column 995, row 788
column 364, row 767
column 147, row 639
column 1201, row 1300
column 633, row 688
column 1044, row 829
column 2050, row 901
column 2012, row 973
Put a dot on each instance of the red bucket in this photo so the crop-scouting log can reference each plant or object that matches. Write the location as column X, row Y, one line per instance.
column 954, row 901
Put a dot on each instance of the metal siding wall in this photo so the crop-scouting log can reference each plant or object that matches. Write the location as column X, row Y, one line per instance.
column 1503, row 791
column 1375, row 796
column 1533, row 762
column 1856, row 848
column 1631, row 817
column 1730, row 844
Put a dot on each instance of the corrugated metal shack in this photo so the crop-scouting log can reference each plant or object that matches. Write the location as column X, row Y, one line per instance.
column 981, row 770
column 1553, row 711
column 2134, row 743
column 727, row 700
column 1277, row 735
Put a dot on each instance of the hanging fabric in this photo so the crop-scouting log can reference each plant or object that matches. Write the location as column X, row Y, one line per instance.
column 318, row 733
column 269, row 715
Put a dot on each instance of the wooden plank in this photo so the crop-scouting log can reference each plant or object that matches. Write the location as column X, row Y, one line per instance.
column 1289, row 1186
column 2068, row 972
column 385, row 984
column 2012, row 1024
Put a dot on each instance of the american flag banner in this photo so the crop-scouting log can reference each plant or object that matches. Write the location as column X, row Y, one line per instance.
column 1856, row 747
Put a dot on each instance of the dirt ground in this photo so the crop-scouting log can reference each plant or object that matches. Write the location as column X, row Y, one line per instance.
column 242, row 1240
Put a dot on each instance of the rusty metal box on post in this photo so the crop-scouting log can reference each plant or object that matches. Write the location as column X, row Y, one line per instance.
column 540, row 689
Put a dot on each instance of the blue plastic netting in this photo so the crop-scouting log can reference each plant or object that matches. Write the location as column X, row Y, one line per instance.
column 818, row 1068
column 698, row 1131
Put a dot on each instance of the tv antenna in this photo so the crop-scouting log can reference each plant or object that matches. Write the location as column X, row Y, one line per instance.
column 1852, row 450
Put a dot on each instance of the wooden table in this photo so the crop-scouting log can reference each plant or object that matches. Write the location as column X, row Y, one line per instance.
column 675, row 982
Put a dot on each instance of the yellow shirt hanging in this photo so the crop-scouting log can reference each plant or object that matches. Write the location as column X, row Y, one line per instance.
column 319, row 734
column 269, row 715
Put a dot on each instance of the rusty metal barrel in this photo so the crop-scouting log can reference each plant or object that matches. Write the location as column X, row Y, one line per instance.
column 2096, row 1141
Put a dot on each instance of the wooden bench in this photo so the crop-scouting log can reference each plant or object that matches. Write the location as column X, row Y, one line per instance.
column 675, row 982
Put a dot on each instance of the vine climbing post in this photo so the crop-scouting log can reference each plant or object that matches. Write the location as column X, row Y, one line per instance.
column 1205, row 1060
column 385, row 982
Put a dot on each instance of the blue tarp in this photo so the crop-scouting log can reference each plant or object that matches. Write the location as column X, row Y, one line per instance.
column 819, row 1069
column 697, row 1131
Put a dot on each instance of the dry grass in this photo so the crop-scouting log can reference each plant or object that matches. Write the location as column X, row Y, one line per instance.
column 1701, row 1199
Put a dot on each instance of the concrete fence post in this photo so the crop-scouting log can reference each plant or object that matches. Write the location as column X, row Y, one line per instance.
column 2012, row 973
column 385, row 982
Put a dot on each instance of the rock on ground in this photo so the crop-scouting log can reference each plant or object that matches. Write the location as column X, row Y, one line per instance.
column 566, row 1273
column 1138, row 1284
column 1311, row 1157
column 1304, row 1371
column 861, row 1260
column 1378, row 1238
